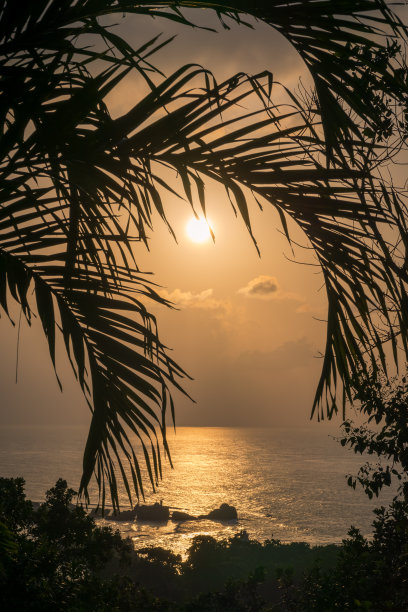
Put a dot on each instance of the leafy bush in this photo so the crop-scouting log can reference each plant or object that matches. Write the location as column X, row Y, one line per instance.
column 53, row 557
column 369, row 574
column 384, row 403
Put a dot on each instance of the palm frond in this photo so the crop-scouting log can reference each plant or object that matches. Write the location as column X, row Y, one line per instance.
column 278, row 154
column 112, row 343
column 352, row 49
column 64, row 225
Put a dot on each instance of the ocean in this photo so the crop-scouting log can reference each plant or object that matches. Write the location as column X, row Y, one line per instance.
column 287, row 484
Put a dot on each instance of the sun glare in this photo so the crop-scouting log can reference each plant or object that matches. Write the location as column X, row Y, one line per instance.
column 198, row 230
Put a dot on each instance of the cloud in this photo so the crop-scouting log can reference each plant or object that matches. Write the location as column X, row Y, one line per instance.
column 267, row 288
column 262, row 287
column 188, row 299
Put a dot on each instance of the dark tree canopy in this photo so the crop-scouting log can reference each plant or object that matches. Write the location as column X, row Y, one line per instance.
column 78, row 187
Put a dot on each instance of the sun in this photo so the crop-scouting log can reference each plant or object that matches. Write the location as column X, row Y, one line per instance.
column 198, row 230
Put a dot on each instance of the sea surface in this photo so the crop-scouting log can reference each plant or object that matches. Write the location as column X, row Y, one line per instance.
column 287, row 484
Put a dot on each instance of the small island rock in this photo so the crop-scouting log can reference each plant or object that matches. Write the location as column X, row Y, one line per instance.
column 224, row 513
column 155, row 512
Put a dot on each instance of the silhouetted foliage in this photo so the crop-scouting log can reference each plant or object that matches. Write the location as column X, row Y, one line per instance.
column 384, row 434
column 371, row 574
column 58, row 554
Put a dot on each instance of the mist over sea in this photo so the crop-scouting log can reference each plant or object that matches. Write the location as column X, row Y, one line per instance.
column 287, row 484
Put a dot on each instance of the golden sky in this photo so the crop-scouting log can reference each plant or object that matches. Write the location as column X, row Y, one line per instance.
column 249, row 329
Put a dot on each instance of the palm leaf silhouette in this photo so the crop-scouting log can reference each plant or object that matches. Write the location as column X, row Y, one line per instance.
column 79, row 187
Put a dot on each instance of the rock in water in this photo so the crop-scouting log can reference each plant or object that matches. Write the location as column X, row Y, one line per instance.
column 156, row 512
column 224, row 513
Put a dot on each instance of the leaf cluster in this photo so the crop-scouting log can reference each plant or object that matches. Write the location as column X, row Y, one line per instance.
column 384, row 404
column 58, row 554
column 370, row 574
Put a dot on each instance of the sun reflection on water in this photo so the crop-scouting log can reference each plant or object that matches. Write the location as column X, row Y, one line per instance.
column 285, row 484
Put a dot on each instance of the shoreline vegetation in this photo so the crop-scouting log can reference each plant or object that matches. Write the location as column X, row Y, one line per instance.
column 54, row 556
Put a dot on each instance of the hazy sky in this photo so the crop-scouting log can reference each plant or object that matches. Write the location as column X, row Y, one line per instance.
column 249, row 329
